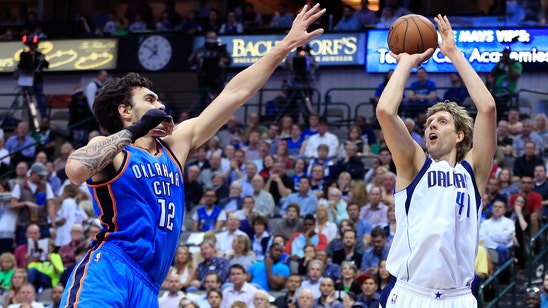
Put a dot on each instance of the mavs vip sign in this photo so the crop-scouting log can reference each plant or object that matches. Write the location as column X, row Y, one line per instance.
column 482, row 48
column 334, row 49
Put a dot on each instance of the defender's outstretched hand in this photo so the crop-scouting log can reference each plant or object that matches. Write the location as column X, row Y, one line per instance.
column 298, row 34
column 447, row 44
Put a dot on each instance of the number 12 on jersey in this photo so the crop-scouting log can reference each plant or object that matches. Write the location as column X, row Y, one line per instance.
column 167, row 213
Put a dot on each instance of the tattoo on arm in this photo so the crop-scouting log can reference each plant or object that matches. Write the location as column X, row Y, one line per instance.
column 100, row 154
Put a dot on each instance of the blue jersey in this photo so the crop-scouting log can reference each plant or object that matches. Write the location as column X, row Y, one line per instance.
column 142, row 207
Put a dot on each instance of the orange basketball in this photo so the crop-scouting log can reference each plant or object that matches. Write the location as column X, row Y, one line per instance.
column 412, row 33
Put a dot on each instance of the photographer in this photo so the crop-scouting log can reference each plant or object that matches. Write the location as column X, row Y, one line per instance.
column 211, row 61
column 30, row 70
column 507, row 73
column 303, row 70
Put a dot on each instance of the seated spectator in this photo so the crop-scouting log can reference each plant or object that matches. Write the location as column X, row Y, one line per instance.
column 421, row 94
column 173, row 296
column 317, row 181
column 225, row 238
column 331, row 270
column 335, row 204
column 218, row 186
column 292, row 283
column 18, row 279
column 190, row 24
column 524, row 165
column 209, row 216
column 369, row 287
column 349, row 272
column 327, row 298
column 279, row 184
column 337, row 243
column 314, row 277
column 232, row 25
column 383, row 276
column 323, row 136
column 304, row 197
column 540, row 126
column 241, row 252
column 351, row 163
column 47, row 272
column 261, row 238
column 362, row 226
column 348, row 21
column 21, row 252
column 527, row 135
column 533, row 208
column 68, row 251
column 264, row 202
column 295, row 141
column 365, row 16
column 27, row 294
column 7, row 266
column 246, row 215
column 295, row 245
column 375, row 211
column 348, row 252
column 240, row 290
column 291, row 224
column 282, row 18
column 458, row 92
column 21, row 145
column 234, row 201
column 270, row 274
column 261, row 299
column 211, row 263
column 373, row 256
column 183, row 266
column 214, row 298
column 309, row 255
column 56, row 295
column 498, row 233
column 138, row 24
column 212, row 282
column 306, row 298
column 322, row 160
column 206, row 174
column 323, row 224
column 250, row 18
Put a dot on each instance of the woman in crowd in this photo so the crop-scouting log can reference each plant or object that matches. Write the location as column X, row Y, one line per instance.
column 383, row 276
column 348, row 283
column 299, row 170
column 344, row 182
column 268, row 162
column 213, row 146
column 323, row 224
column 241, row 252
column 18, row 279
column 183, row 266
column 507, row 188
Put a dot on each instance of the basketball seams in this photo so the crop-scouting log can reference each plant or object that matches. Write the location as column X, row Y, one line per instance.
column 414, row 37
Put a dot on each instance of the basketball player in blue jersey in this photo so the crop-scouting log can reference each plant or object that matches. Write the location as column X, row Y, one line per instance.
column 437, row 194
column 135, row 177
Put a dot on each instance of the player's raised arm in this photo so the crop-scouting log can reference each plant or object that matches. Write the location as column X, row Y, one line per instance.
column 249, row 81
column 483, row 149
column 407, row 154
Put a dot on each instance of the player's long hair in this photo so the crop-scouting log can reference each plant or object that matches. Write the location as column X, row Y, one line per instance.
column 111, row 95
column 463, row 122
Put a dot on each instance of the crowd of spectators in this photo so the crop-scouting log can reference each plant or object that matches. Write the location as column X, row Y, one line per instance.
column 317, row 218
column 235, row 18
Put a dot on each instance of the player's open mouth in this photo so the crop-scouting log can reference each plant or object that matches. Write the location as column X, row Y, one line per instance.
column 433, row 136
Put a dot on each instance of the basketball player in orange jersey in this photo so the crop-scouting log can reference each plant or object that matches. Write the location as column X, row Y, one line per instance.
column 437, row 196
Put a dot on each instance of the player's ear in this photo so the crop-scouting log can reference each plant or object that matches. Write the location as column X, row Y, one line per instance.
column 125, row 112
column 460, row 136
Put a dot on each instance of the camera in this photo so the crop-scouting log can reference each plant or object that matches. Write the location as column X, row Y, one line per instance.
column 303, row 66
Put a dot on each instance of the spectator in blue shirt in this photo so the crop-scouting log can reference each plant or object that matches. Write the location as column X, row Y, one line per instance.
column 283, row 18
column 270, row 274
column 374, row 255
column 21, row 145
column 422, row 93
column 348, row 22
column 211, row 263
column 304, row 197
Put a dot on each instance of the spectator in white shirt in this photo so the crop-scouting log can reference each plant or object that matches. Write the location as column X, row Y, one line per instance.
column 498, row 232
column 225, row 238
column 310, row 146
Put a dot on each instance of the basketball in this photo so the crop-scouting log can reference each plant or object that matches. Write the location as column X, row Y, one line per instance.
column 412, row 33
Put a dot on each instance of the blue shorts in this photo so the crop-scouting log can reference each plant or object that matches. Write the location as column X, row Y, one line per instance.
column 107, row 277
